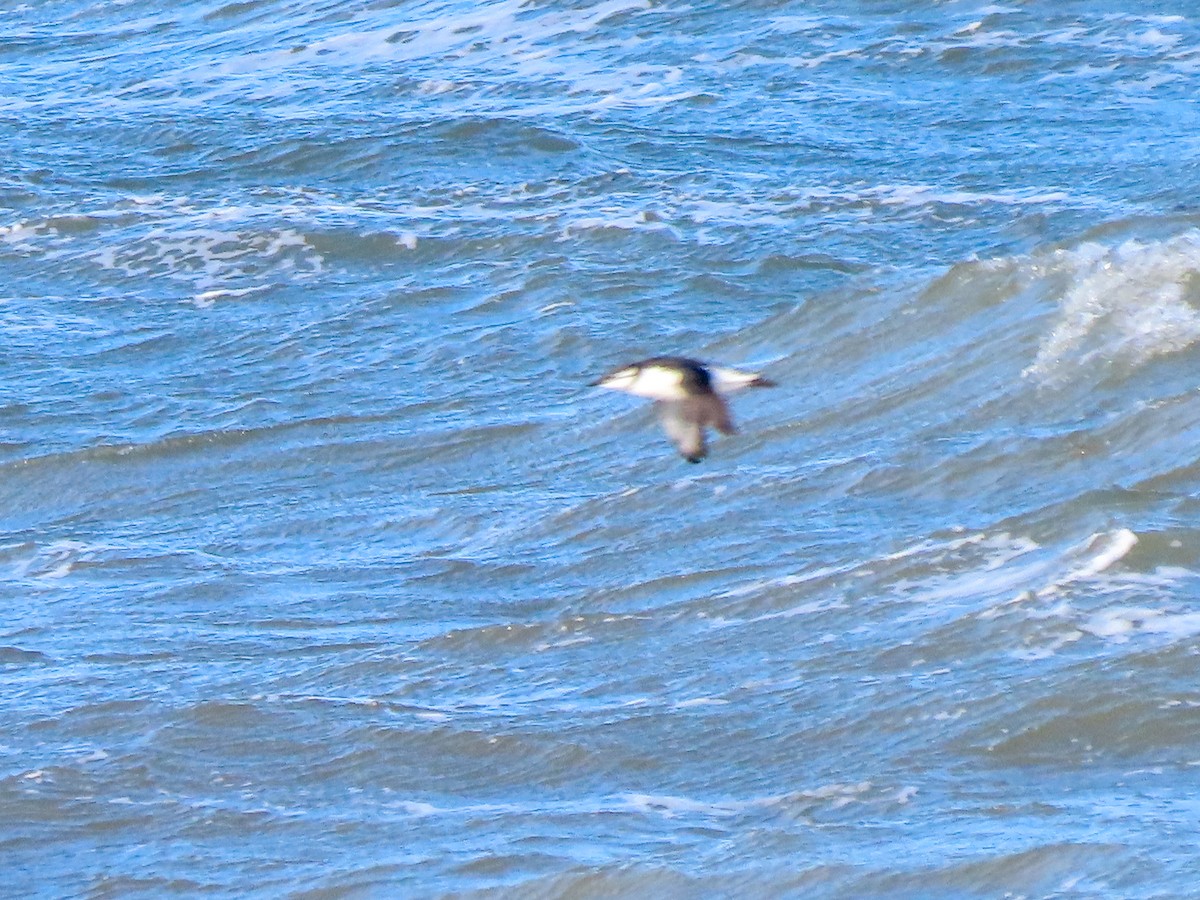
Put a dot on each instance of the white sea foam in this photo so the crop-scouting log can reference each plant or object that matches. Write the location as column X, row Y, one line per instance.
column 671, row 807
column 418, row 808
column 1060, row 591
column 1132, row 603
column 1096, row 555
column 56, row 560
column 769, row 584
column 617, row 219
column 1125, row 306
column 1121, row 623
column 836, row 795
column 699, row 701
column 1154, row 37
column 207, row 298
column 702, row 218
column 22, row 235
column 469, row 45
column 208, row 259
column 1096, row 39
column 1109, row 549
column 924, row 194
column 219, row 251
column 969, row 568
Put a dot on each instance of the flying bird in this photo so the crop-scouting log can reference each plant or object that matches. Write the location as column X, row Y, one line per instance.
column 687, row 394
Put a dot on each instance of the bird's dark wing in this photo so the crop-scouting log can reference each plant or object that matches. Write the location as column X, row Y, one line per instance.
column 710, row 409
column 684, row 428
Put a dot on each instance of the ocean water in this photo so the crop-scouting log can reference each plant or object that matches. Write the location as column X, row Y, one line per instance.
column 324, row 574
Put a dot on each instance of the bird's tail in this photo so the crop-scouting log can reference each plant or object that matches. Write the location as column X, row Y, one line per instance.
column 729, row 380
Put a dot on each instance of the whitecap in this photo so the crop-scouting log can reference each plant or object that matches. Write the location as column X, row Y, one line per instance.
column 1124, row 305
column 56, row 560
column 670, row 807
column 1119, row 624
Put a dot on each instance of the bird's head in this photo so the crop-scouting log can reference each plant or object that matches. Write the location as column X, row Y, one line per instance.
column 621, row 379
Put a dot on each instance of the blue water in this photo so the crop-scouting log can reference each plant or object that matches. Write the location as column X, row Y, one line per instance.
column 325, row 574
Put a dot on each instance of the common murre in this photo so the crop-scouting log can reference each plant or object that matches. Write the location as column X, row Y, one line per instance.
column 687, row 394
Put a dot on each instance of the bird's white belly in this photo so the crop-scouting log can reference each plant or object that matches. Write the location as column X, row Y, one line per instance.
column 658, row 383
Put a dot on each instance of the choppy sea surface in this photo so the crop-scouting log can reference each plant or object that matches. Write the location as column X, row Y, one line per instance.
column 324, row 574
